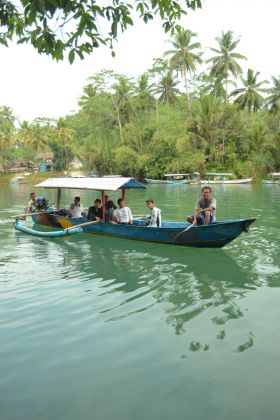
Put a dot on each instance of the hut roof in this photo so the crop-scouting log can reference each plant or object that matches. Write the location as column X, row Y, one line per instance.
column 46, row 155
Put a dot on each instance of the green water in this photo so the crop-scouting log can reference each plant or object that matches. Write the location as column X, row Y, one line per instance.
column 102, row 328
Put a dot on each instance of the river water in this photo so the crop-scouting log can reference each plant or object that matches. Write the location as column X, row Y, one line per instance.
column 102, row 328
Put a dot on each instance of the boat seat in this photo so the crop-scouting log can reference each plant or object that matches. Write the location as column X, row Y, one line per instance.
column 139, row 222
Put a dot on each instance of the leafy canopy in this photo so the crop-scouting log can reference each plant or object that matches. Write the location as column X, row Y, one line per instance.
column 76, row 27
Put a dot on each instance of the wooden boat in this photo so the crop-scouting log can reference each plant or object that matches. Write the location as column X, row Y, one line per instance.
column 187, row 178
column 224, row 178
column 214, row 235
column 162, row 181
column 238, row 181
column 215, row 178
column 273, row 178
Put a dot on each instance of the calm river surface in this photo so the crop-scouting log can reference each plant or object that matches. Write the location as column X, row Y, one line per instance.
column 100, row 328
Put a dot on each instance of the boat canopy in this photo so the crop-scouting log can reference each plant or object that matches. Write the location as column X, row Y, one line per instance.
column 90, row 183
column 191, row 173
column 219, row 174
column 275, row 174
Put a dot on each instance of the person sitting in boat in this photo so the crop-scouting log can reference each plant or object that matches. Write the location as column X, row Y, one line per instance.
column 154, row 220
column 31, row 206
column 95, row 212
column 110, row 212
column 205, row 209
column 75, row 209
column 123, row 214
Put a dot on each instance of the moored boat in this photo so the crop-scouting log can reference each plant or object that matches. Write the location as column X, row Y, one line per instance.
column 238, row 181
column 273, row 178
column 224, row 178
column 214, row 235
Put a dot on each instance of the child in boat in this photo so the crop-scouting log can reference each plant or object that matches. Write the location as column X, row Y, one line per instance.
column 75, row 209
column 110, row 212
column 154, row 220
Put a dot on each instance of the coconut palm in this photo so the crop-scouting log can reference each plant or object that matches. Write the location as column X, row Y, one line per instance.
column 249, row 96
column 123, row 91
column 167, row 89
column 273, row 100
column 144, row 93
column 224, row 63
column 184, row 56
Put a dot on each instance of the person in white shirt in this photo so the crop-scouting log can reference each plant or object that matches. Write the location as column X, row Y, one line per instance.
column 75, row 209
column 154, row 220
column 123, row 214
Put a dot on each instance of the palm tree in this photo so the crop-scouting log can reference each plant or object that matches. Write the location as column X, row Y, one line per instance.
column 250, row 96
column 120, row 98
column 144, row 92
column 183, row 57
column 273, row 100
column 224, row 63
column 167, row 89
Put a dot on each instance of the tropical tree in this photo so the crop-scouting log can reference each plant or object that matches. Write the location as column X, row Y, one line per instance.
column 7, row 129
column 249, row 96
column 167, row 88
column 273, row 100
column 62, row 144
column 224, row 63
column 183, row 56
column 123, row 91
column 143, row 93
column 56, row 27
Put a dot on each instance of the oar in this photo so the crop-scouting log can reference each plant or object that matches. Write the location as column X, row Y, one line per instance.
column 82, row 224
column 185, row 230
column 32, row 214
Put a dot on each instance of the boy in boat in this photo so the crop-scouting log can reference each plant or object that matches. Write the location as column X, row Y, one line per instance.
column 95, row 212
column 110, row 212
column 154, row 220
column 32, row 205
column 123, row 214
column 205, row 209
column 75, row 209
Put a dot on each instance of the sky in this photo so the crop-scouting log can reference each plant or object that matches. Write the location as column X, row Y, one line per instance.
column 34, row 85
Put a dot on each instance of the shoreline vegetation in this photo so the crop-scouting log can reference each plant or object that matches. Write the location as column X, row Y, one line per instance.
column 171, row 119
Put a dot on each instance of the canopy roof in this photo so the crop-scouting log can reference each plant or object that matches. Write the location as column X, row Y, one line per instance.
column 218, row 174
column 191, row 173
column 89, row 183
column 275, row 174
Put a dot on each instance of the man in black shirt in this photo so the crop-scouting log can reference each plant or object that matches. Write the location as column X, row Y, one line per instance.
column 95, row 212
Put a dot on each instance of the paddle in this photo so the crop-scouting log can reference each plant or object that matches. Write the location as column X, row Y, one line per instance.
column 31, row 214
column 82, row 224
column 185, row 230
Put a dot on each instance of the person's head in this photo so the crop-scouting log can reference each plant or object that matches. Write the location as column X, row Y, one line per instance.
column 97, row 202
column 121, row 203
column 110, row 204
column 206, row 192
column 33, row 196
column 106, row 198
column 150, row 203
column 77, row 201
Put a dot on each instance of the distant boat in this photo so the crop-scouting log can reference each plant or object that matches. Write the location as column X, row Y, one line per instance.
column 274, row 178
column 176, row 179
column 223, row 178
column 238, row 181
column 187, row 178
column 162, row 181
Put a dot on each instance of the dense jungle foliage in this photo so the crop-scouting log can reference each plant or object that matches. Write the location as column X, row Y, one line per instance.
column 172, row 119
